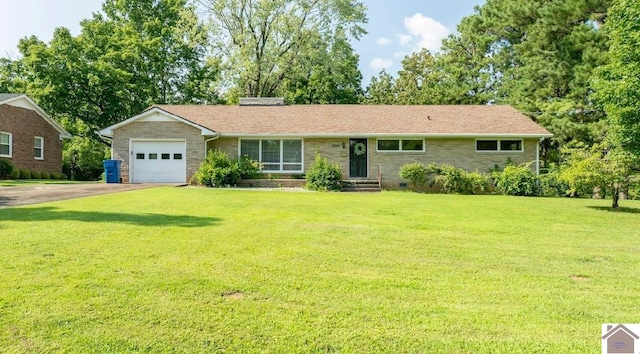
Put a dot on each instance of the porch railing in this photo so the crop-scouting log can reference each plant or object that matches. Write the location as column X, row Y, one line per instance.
column 379, row 176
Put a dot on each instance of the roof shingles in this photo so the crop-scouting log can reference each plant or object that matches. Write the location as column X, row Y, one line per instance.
column 359, row 119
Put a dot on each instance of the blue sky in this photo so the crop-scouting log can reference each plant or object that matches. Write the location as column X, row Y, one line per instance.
column 395, row 28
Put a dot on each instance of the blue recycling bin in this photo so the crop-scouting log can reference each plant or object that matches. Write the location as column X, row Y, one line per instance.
column 112, row 171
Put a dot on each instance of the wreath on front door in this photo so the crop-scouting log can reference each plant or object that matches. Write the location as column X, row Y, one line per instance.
column 359, row 149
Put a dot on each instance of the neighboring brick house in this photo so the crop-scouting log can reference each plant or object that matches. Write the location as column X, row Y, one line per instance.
column 167, row 143
column 29, row 138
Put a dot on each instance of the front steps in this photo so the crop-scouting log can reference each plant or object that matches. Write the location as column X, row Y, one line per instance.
column 360, row 185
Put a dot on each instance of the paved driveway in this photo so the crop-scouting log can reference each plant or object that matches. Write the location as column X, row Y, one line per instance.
column 14, row 196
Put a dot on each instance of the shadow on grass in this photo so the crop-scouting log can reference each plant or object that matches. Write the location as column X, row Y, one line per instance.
column 54, row 214
column 619, row 210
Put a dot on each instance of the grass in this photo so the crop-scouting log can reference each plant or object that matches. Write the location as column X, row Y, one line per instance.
column 31, row 182
column 199, row 270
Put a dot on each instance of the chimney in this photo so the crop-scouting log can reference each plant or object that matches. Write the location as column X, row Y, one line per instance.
column 262, row 101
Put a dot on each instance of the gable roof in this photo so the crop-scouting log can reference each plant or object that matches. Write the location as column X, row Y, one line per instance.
column 618, row 328
column 155, row 114
column 360, row 120
column 23, row 101
column 7, row 96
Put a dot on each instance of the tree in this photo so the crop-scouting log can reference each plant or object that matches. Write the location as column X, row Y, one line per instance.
column 618, row 83
column 381, row 90
column 137, row 53
column 265, row 43
column 599, row 168
column 327, row 73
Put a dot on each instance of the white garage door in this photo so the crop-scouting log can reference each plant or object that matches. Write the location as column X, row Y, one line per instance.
column 159, row 162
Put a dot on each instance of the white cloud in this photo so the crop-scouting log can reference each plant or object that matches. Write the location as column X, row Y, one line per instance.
column 383, row 41
column 405, row 38
column 424, row 31
column 380, row 63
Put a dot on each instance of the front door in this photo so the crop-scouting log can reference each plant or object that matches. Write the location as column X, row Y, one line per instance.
column 358, row 158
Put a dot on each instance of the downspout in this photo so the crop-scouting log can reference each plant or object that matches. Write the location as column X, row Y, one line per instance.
column 108, row 139
column 538, row 156
column 206, row 142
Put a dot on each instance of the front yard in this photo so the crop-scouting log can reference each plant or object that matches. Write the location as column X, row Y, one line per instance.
column 203, row 270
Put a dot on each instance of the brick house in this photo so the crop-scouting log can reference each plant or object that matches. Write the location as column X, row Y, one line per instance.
column 29, row 138
column 167, row 143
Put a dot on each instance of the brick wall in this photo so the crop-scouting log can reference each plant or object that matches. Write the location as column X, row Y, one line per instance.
column 157, row 130
column 24, row 125
column 458, row 152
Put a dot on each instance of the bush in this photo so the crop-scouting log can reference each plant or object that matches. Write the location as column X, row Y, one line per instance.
column 58, row 175
column 15, row 174
column 416, row 173
column 549, row 184
column 516, row 180
column 45, row 175
column 324, row 176
column 456, row 180
column 6, row 168
column 218, row 170
column 25, row 174
column 36, row 174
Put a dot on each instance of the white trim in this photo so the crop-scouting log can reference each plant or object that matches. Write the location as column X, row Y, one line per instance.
column 424, row 148
column 10, row 144
column 498, row 147
column 41, row 147
column 384, row 135
column 148, row 115
column 63, row 134
column 281, row 163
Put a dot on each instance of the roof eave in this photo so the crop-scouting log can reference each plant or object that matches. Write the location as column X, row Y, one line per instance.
column 387, row 135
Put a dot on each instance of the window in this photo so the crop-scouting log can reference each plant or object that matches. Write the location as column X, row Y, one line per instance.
column 139, row 156
column 153, row 156
column 386, row 145
column 5, row 144
column 166, row 156
column 177, row 156
column 276, row 155
column 38, row 148
column 499, row 145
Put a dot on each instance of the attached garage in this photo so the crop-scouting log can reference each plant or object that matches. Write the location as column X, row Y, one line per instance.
column 158, row 161
column 158, row 147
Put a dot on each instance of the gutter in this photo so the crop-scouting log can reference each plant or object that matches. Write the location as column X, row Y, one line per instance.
column 205, row 144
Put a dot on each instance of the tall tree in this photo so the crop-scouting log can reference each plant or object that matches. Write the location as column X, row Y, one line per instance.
column 136, row 53
column 265, row 43
column 618, row 83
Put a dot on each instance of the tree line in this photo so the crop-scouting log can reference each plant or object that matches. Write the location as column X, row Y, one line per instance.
column 571, row 66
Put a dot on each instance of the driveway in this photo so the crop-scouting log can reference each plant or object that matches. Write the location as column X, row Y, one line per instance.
column 14, row 196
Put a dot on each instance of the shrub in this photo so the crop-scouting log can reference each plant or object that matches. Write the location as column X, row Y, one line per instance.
column 58, row 175
column 45, row 175
column 218, row 170
column 15, row 174
column 456, row 180
column 6, row 167
column 25, row 174
column 416, row 173
column 248, row 167
column 516, row 180
column 549, row 184
column 324, row 176
column 36, row 174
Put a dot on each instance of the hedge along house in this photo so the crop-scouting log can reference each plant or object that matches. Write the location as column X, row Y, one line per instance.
column 167, row 143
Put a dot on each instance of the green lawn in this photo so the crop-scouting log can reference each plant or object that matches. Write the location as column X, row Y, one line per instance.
column 198, row 270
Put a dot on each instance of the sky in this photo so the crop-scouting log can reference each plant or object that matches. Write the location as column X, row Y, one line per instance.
column 395, row 28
